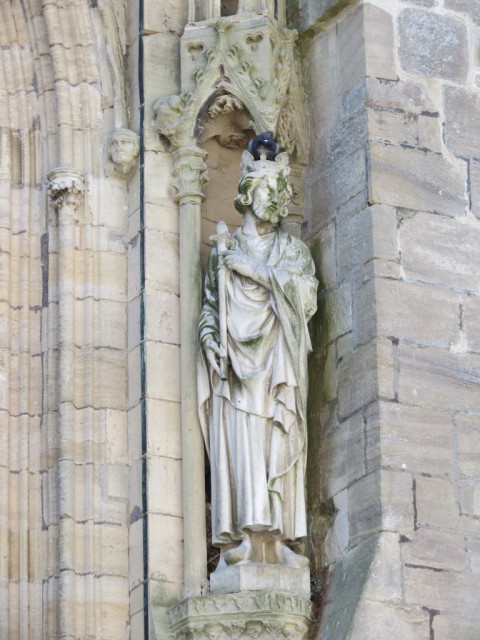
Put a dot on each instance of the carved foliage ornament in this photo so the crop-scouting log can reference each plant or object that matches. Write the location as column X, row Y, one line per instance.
column 226, row 58
column 239, row 616
column 66, row 187
column 190, row 172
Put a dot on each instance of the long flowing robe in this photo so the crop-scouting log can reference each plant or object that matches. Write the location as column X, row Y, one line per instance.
column 254, row 422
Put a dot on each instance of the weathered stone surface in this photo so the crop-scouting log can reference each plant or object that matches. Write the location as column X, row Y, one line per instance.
column 166, row 472
column 382, row 499
column 169, row 16
column 408, row 96
column 423, row 3
column 370, row 233
column 441, row 251
column 433, row 45
column 415, row 439
column 164, row 428
column 338, row 307
column 162, row 252
column 163, row 381
column 426, row 315
column 334, row 187
column 261, row 577
column 430, row 133
column 469, row 498
column 342, row 458
column 378, row 34
column 396, row 128
column 470, row 8
column 364, row 507
column 416, row 180
column 322, row 247
column 446, row 591
column 167, row 555
column 473, row 550
column 436, row 549
column 436, row 503
column 446, row 628
column 351, row 48
column 376, row 621
column 468, row 445
column 347, row 580
column 373, row 364
column 162, row 309
column 475, row 187
column 462, row 114
column 438, row 378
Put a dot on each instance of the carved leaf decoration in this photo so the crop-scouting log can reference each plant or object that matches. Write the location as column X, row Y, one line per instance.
column 254, row 40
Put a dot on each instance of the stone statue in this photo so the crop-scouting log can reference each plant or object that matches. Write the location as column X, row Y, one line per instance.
column 123, row 150
column 260, row 292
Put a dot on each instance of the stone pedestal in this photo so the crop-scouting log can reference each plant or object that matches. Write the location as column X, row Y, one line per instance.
column 261, row 577
column 265, row 615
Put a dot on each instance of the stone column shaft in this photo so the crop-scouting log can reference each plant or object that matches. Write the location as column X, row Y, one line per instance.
column 190, row 172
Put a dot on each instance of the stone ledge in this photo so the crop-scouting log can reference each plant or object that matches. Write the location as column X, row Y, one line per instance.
column 266, row 615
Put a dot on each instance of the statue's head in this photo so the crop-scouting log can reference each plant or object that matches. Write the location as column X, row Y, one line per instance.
column 264, row 187
column 123, row 150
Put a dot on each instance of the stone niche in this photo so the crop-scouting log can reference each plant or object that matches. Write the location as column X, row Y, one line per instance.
column 226, row 131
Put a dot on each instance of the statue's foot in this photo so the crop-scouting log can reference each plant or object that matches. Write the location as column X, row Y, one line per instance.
column 242, row 553
column 289, row 558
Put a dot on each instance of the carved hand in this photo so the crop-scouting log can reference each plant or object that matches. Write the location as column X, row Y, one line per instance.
column 213, row 352
column 238, row 261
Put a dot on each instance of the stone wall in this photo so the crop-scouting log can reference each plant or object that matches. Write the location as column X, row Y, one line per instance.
column 64, row 452
column 393, row 220
column 90, row 438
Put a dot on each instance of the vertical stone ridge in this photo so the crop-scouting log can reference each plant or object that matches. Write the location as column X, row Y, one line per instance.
column 22, row 541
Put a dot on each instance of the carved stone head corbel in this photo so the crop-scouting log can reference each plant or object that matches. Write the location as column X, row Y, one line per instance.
column 123, row 149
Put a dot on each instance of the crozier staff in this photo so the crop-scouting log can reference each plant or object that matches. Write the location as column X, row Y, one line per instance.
column 254, row 420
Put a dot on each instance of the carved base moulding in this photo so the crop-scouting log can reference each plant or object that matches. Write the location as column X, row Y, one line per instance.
column 265, row 615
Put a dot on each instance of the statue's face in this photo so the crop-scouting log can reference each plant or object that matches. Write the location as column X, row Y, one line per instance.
column 122, row 149
column 265, row 200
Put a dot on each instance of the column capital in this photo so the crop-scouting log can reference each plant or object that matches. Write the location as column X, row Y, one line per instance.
column 190, row 171
column 66, row 187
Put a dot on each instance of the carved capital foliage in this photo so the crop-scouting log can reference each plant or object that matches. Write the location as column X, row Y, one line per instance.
column 66, row 187
column 257, row 614
column 230, row 64
column 190, row 171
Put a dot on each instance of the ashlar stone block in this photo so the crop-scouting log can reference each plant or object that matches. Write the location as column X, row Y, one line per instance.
column 436, row 503
column 438, row 378
column 423, row 314
column 408, row 96
column 396, row 128
column 468, row 445
column 342, row 458
column 433, row 45
column 436, row 549
column 377, row 621
column 448, row 627
column 462, row 114
column 378, row 34
column 441, row 251
column 475, row 187
column 465, row 7
column 261, row 577
column 415, row 439
column 445, row 591
column 373, row 364
column 416, row 179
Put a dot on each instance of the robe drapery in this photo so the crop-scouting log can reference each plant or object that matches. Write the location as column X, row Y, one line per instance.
column 254, row 422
